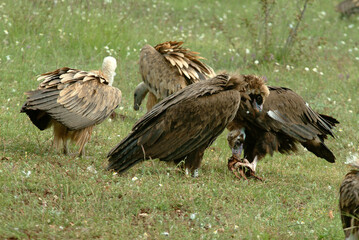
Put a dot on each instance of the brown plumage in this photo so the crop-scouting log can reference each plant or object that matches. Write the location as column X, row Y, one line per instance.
column 348, row 7
column 73, row 101
column 286, row 120
column 349, row 203
column 167, row 68
column 183, row 125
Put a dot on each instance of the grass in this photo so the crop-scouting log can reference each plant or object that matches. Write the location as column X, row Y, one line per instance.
column 45, row 195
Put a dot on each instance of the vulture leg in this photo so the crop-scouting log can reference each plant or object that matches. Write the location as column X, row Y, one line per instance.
column 193, row 161
column 82, row 150
column 66, row 147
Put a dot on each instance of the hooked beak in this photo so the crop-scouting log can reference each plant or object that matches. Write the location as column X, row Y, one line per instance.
column 136, row 107
column 257, row 107
column 238, row 146
column 237, row 151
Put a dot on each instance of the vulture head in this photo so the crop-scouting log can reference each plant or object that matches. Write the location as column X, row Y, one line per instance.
column 109, row 66
column 256, row 92
column 140, row 93
column 235, row 140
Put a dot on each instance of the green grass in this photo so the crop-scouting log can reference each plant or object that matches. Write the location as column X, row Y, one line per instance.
column 45, row 195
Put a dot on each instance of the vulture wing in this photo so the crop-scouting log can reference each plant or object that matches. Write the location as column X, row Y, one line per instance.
column 188, row 120
column 287, row 116
column 167, row 68
column 75, row 98
column 287, row 111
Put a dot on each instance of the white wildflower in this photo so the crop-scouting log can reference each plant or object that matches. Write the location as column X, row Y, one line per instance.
column 134, row 179
column 27, row 174
column 306, row 69
column 91, row 169
column 256, row 62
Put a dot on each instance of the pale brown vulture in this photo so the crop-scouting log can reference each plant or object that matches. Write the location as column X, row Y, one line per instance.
column 349, row 203
column 183, row 125
column 73, row 101
column 165, row 69
column 348, row 7
column 286, row 120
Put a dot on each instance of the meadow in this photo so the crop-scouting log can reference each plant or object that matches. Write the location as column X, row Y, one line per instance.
column 46, row 195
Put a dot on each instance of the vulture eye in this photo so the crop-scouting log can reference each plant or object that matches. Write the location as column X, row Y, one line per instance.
column 259, row 99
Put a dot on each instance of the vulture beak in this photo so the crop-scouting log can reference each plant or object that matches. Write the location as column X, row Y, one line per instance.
column 136, row 107
column 238, row 145
column 237, row 150
column 256, row 106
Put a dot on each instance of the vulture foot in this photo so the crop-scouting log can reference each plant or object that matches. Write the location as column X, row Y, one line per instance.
column 243, row 167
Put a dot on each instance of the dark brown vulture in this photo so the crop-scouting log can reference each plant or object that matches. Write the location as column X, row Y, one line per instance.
column 183, row 125
column 349, row 203
column 348, row 7
column 165, row 69
column 286, row 120
column 73, row 101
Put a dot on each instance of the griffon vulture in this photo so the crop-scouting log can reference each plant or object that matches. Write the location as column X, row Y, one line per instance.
column 349, row 202
column 183, row 125
column 73, row 101
column 286, row 120
column 165, row 69
column 348, row 7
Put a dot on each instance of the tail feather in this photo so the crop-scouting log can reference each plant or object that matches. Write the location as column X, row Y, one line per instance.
column 125, row 155
column 320, row 150
column 332, row 121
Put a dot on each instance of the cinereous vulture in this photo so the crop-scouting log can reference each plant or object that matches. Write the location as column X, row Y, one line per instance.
column 183, row 125
column 167, row 68
column 286, row 120
column 349, row 202
column 348, row 7
column 73, row 102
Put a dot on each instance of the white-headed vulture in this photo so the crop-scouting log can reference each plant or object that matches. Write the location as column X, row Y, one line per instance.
column 165, row 69
column 183, row 125
column 73, row 101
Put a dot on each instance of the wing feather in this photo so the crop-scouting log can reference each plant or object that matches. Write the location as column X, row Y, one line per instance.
column 81, row 100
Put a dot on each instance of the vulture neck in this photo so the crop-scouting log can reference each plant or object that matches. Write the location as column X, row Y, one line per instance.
column 108, row 69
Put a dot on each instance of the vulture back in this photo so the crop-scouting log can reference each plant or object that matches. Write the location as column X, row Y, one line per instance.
column 77, row 99
column 167, row 68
